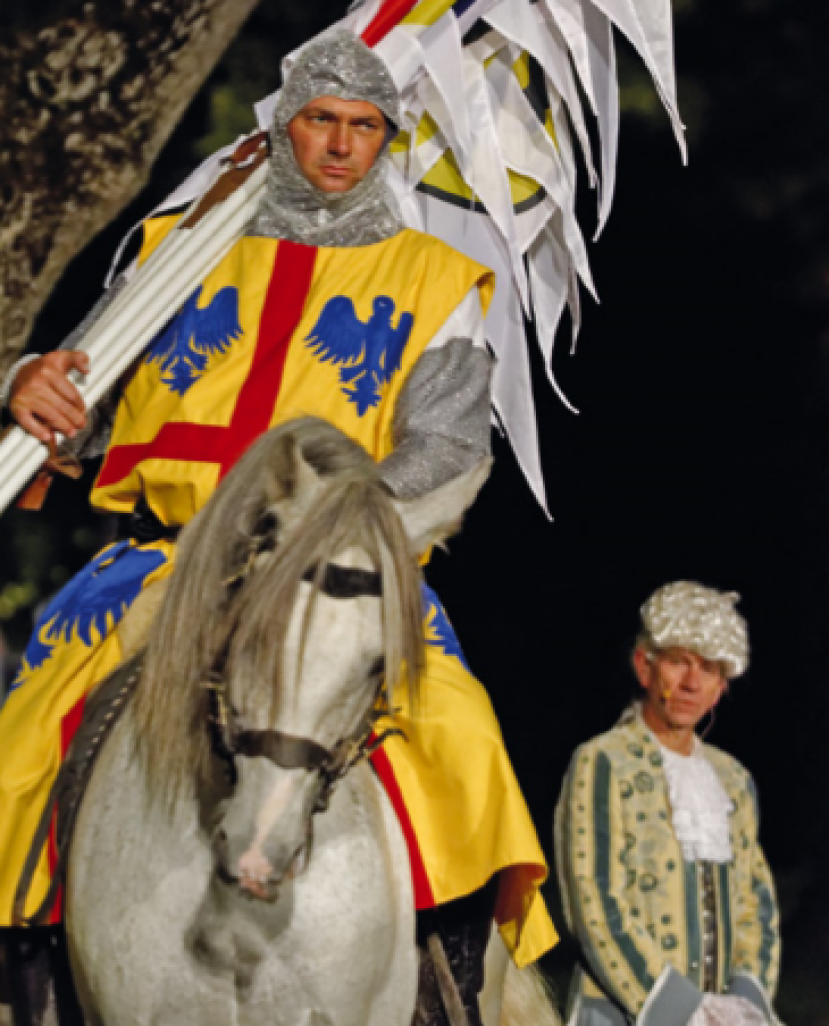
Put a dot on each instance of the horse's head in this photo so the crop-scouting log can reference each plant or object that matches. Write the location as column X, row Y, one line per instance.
column 293, row 725
column 300, row 586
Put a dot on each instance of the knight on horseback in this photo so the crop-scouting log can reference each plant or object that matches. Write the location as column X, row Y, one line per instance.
column 329, row 307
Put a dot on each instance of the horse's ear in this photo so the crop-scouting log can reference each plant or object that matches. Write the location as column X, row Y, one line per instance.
column 436, row 516
column 298, row 485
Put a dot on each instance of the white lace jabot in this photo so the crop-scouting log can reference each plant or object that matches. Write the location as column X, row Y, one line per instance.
column 699, row 804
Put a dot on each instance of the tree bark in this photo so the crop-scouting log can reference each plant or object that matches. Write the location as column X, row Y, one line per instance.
column 88, row 97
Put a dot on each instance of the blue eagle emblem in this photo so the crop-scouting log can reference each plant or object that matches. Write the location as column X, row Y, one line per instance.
column 439, row 632
column 369, row 353
column 183, row 348
column 94, row 600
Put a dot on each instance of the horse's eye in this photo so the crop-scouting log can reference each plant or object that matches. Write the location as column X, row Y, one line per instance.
column 264, row 531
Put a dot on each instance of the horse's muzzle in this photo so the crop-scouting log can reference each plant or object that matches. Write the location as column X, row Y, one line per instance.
column 254, row 876
column 268, row 892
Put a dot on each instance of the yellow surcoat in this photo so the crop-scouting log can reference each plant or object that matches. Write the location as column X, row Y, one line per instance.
column 273, row 333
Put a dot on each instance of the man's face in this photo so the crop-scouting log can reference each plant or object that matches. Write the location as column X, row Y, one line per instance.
column 680, row 686
column 336, row 141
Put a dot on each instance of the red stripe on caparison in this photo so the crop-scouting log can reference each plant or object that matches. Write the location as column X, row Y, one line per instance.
column 423, row 896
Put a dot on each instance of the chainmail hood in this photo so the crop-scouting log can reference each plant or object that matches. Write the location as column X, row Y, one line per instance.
column 335, row 64
column 705, row 621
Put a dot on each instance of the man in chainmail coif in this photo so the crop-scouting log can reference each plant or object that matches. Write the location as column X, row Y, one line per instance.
column 327, row 306
column 663, row 879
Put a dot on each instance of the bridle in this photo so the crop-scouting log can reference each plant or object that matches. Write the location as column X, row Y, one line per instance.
column 230, row 740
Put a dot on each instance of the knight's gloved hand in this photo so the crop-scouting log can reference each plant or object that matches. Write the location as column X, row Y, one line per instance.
column 721, row 1010
column 44, row 401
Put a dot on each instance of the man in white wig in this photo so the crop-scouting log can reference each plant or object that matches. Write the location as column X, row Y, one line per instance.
column 327, row 306
column 664, row 884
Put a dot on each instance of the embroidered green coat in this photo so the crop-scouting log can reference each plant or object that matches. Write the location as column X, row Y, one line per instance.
column 645, row 919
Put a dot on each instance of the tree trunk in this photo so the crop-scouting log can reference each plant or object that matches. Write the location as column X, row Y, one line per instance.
column 88, row 97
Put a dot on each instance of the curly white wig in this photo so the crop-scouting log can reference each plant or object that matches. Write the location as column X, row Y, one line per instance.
column 685, row 614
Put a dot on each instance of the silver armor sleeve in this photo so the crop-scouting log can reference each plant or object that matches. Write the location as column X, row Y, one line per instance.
column 441, row 424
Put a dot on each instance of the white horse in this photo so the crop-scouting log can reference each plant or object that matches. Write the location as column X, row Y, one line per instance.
column 215, row 878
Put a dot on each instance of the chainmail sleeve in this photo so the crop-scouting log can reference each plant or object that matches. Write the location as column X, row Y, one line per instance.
column 441, row 423
column 92, row 440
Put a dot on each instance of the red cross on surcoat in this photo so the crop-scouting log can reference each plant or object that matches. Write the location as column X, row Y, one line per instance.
column 207, row 443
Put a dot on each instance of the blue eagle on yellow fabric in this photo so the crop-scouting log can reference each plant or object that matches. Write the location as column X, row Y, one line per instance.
column 183, row 348
column 95, row 599
column 370, row 353
column 439, row 631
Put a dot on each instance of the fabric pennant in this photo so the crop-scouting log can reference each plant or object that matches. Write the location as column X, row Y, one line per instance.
column 516, row 21
column 512, row 396
column 531, row 152
column 590, row 41
column 443, row 61
column 550, row 280
column 656, row 19
column 624, row 14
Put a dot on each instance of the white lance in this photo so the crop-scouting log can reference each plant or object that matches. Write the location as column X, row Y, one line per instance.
column 136, row 315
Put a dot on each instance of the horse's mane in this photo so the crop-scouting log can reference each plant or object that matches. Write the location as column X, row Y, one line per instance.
column 201, row 616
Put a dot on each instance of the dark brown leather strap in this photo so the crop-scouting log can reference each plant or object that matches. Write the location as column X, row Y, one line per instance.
column 283, row 749
column 345, row 582
column 100, row 715
column 245, row 160
column 58, row 463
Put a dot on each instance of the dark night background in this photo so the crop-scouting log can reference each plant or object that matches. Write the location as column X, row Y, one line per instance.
column 701, row 450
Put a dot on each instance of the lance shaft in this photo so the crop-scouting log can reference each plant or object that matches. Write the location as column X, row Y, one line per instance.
column 157, row 290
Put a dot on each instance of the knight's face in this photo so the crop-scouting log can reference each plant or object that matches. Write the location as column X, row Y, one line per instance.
column 336, row 141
